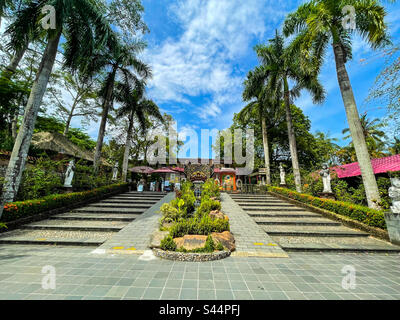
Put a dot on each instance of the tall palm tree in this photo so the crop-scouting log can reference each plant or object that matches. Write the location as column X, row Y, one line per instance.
column 319, row 23
column 134, row 104
column 256, row 88
column 283, row 64
column 82, row 23
column 371, row 129
column 118, row 63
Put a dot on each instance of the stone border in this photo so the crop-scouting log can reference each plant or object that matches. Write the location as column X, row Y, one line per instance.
column 378, row 233
column 191, row 257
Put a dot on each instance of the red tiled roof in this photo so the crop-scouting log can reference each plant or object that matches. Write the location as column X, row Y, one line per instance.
column 381, row 165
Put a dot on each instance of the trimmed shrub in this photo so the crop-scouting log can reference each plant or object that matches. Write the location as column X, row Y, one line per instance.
column 168, row 244
column 371, row 217
column 16, row 210
column 204, row 226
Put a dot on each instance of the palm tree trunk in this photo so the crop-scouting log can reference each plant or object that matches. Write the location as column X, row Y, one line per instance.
column 266, row 150
column 69, row 119
column 16, row 59
column 21, row 146
column 292, row 139
column 125, row 162
column 102, row 130
column 353, row 118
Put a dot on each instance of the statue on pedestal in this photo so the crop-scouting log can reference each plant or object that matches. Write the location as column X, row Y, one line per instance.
column 282, row 174
column 394, row 194
column 326, row 179
column 115, row 172
column 69, row 174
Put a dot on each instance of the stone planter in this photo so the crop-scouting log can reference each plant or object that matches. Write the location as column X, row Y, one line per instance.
column 393, row 226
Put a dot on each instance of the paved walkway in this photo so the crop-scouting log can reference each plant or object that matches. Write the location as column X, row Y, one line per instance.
column 81, row 274
column 251, row 239
column 135, row 237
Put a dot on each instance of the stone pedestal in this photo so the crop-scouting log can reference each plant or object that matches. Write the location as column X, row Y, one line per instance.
column 327, row 195
column 68, row 189
column 283, row 186
column 393, row 226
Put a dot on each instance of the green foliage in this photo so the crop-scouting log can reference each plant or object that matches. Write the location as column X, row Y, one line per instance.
column 195, row 226
column 370, row 217
column 207, row 206
column 41, row 179
column 3, row 225
column 168, row 244
column 210, row 189
column 20, row 209
column 169, row 213
column 85, row 177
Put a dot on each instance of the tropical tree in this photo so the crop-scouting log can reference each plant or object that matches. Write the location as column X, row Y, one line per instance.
column 82, row 23
column 256, row 88
column 319, row 23
column 120, row 63
column 135, row 106
column 283, row 64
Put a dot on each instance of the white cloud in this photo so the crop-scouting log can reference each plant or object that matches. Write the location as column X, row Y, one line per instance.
column 217, row 33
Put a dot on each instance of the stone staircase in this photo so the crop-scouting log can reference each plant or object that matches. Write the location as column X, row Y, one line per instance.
column 297, row 229
column 91, row 225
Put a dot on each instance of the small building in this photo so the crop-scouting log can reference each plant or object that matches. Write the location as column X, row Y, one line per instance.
column 226, row 178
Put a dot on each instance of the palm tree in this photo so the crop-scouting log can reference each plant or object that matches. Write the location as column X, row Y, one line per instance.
column 118, row 62
column 4, row 5
column 84, row 28
column 371, row 130
column 134, row 104
column 394, row 148
column 255, row 88
column 282, row 64
column 319, row 23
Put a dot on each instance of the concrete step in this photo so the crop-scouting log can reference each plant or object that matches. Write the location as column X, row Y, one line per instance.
column 70, row 228
column 338, row 244
column 79, row 223
column 129, row 201
column 298, row 221
column 95, row 217
column 312, row 231
column 275, row 208
column 55, row 237
column 120, row 205
column 281, row 214
column 108, row 210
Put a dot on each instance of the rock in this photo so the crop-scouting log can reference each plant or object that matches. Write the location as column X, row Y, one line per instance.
column 156, row 238
column 216, row 215
column 225, row 238
column 226, row 217
column 191, row 242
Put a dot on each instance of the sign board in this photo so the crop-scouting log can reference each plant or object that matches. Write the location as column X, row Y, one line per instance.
column 262, row 170
column 140, row 188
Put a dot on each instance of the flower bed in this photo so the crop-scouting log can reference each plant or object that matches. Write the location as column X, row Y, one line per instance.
column 195, row 231
column 370, row 217
column 17, row 210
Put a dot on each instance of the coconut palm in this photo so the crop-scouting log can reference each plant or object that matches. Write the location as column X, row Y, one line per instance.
column 371, row 130
column 319, row 23
column 282, row 65
column 82, row 23
column 134, row 105
column 119, row 63
column 256, row 88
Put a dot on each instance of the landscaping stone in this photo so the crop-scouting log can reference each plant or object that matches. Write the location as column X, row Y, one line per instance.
column 156, row 238
column 216, row 214
column 191, row 257
column 191, row 242
column 226, row 239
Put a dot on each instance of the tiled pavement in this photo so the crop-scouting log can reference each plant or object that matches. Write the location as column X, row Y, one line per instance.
column 83, row 275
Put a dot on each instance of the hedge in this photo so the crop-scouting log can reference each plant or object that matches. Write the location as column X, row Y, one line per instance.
column 370, row 217
column 21, row 209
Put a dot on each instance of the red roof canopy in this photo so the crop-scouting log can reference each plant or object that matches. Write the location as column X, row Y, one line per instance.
column 144, row 170
column 381, row 165
column 164, row 170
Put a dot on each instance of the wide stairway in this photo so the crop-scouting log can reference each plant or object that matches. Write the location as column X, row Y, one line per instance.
column 91, row 225
column 297, row 229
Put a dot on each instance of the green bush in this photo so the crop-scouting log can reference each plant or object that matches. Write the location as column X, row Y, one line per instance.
column 206, row 206
column 209, row 247
column 21, row 209
column 210, row 189
column 373, row 218
column 168, row 244
column 203, row 226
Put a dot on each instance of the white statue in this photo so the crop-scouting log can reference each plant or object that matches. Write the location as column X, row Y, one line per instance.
column 69, row 174
column 115, row 172
column 326, row 178
column 394, row 193
column 283, row 174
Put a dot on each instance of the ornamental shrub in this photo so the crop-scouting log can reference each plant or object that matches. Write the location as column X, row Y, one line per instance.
column 168, row 244
column 371, row 217
column 194, row 226
column 21, row 209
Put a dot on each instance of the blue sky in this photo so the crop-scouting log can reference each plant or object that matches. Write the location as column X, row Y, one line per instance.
column 202, row 50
